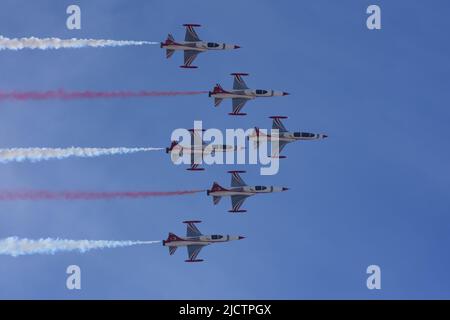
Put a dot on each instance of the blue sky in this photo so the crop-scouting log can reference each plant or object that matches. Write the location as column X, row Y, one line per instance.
column 375, row 192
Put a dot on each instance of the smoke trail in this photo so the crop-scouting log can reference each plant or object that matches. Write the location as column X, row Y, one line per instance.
column 14, row 246
column 80, row 195
column 56, row 43
column 38, row 154
column 74, row 95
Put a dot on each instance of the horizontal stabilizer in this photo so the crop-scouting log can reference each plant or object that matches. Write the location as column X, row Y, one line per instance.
column 217, row 101
column 169, row 53
column 237, row 211
column 172, row 249
column 188, row 67
column 216, row 199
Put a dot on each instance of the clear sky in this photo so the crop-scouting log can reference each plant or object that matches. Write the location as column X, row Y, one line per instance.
column 376, row 192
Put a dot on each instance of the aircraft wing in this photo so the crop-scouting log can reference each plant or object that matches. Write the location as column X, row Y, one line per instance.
column 238, row 104
column 277, row 124
column 189, row 57
column 237, row 202
column 236, row 180
column 239, row 83
column 195, row 137
column 191, row 229
column 193, row 251
column 196, row 157
column 191, row 35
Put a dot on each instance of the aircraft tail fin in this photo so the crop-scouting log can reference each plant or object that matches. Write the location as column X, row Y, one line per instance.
column 218, row 89
column 171, row 237
column 170, row 38
column 216, row 187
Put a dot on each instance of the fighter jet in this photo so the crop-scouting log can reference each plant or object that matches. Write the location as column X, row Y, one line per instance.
column 192, row 46
column 284, row 136
column 239, row 191
column 198, row 149
column 240, row 94
column 194, row 241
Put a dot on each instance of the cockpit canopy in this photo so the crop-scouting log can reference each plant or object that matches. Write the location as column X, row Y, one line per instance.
column 259, row 91
column 260, row 188
column 304, row 135
column 216, row 237
column 212, row 45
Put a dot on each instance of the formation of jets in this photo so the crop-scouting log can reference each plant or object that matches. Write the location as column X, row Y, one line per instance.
column 239, row 191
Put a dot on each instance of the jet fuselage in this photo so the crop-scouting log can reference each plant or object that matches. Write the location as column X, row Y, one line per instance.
column 245, row 190
column 197, row 45
column 247, row 94
column 290, row 136
column 204, row 240
column 203, row 149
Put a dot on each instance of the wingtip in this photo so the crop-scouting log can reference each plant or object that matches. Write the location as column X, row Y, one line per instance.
column 278, row 117
column 188, row 67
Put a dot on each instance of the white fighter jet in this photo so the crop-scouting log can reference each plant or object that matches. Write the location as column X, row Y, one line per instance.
column 198, row 149
column 195, row 241
column 192, row 46
column 284, row 136
column 240, row 94
column 239, row 191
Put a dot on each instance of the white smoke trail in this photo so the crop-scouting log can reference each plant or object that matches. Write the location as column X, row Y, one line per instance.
column 56, row 43
column 13, row 246
column 39, row 154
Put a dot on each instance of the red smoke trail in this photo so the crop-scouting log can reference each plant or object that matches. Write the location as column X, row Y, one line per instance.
column 73, row 95
column 80, row 195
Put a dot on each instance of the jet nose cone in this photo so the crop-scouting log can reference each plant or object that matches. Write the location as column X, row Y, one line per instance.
column 284, row 189
column 241, row 237
column 237, row 47
column 286, row 93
